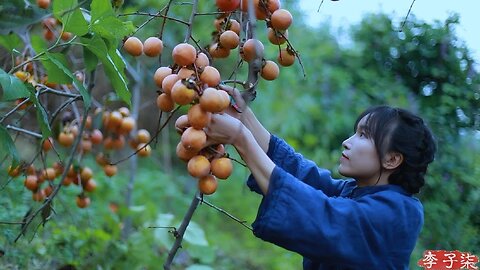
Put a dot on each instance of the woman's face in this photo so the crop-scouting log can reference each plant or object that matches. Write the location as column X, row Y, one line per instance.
column 359, row 158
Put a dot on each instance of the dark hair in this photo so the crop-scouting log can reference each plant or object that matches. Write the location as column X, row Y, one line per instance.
column 398, row 130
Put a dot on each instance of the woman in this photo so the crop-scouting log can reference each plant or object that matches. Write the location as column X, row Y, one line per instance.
column 370, row 221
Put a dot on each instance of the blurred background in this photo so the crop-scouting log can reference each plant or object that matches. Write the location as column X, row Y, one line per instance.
column 352, row 56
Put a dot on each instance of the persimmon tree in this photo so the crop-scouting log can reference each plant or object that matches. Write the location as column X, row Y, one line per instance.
column 58, row 52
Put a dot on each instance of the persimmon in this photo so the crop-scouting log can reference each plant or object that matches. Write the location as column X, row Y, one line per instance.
column 30, row 169
column 225, row 99
column 58, row 167
column 160, row 74
column 197, row 117
column 227, row 5
column 72, row 171
column 133, row 46
column 66, row 36
column 124, row 111
column 74, row 129
column 211, row 100
column 49, row 173
column 251, row 49
column 281, row 19
column 108, row 143
column 101, row 159
column 276, row 37
column 49, row 22
column 13, row 172
column 221, row 167
column 110, row 170
column 90, row 185
column 270, row 70
column 48, row 190
column 38, row 195
column 118, row 142
column 86, row 145
column 193, row 139
column 86, row 174
column 234, row 25
column 127, row 125
column 184, row 54
column 47, row 144
column 43, row 3
column 96, row 136
column 66, row 138
column 152, row 46
column 144, row 150
column 198, row 166
column 184, row 153
column 182, row 94
column 48, row 35
column 217, row 51
column 114, row 120
column 207, row 184
column 286, row 57
column 165, row 102
column 210, row 76
column 263, row 11
column 31, row 182
column 202, row 60
column 67, row 181
column 229, row 39
column 22, row 75
column 143, row 136
column 168, row 83
column 185, row 73
column 82, row 201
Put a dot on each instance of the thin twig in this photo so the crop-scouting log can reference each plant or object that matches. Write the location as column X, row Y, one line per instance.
column 242, row 222
column 28, row 132
column 406, row 17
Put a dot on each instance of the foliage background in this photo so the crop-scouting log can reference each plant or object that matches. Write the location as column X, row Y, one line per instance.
column 423, row 68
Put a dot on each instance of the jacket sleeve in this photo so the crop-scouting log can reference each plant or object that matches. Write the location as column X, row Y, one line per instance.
column 284, row 156
column 299, row 218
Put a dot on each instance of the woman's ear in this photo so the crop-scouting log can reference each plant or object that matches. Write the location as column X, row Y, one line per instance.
column 392, row 160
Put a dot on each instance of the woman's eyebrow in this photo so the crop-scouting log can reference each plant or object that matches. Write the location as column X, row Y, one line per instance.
column 361, row 127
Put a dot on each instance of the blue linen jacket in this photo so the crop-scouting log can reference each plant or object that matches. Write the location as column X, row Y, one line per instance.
column 334, row 224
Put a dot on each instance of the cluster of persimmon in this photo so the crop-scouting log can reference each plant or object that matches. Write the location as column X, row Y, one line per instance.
column 116, row 128
column 151, row 47
column 227, row 34
column 41, row 181
column 52, row 29
column 193, row 81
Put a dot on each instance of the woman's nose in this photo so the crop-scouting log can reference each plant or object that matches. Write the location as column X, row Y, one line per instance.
column 346, row 143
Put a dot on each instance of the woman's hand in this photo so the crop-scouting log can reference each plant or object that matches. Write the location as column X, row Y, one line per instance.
column 237, row 103
column 223, row 128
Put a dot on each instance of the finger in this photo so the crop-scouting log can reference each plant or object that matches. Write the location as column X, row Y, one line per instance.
column 181, row 123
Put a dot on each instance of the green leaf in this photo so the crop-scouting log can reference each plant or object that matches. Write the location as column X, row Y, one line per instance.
column 100, row 9
column 10, row 41
column 38, row 43
column 195, row 235
column 42, row 117
column 113, row 65
column 17, row 15
column 59, row 61
column 6, row 144
column 69, row 13
column 112, row 28
column 55, row 70
column 13, row 88
column 90, row 59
